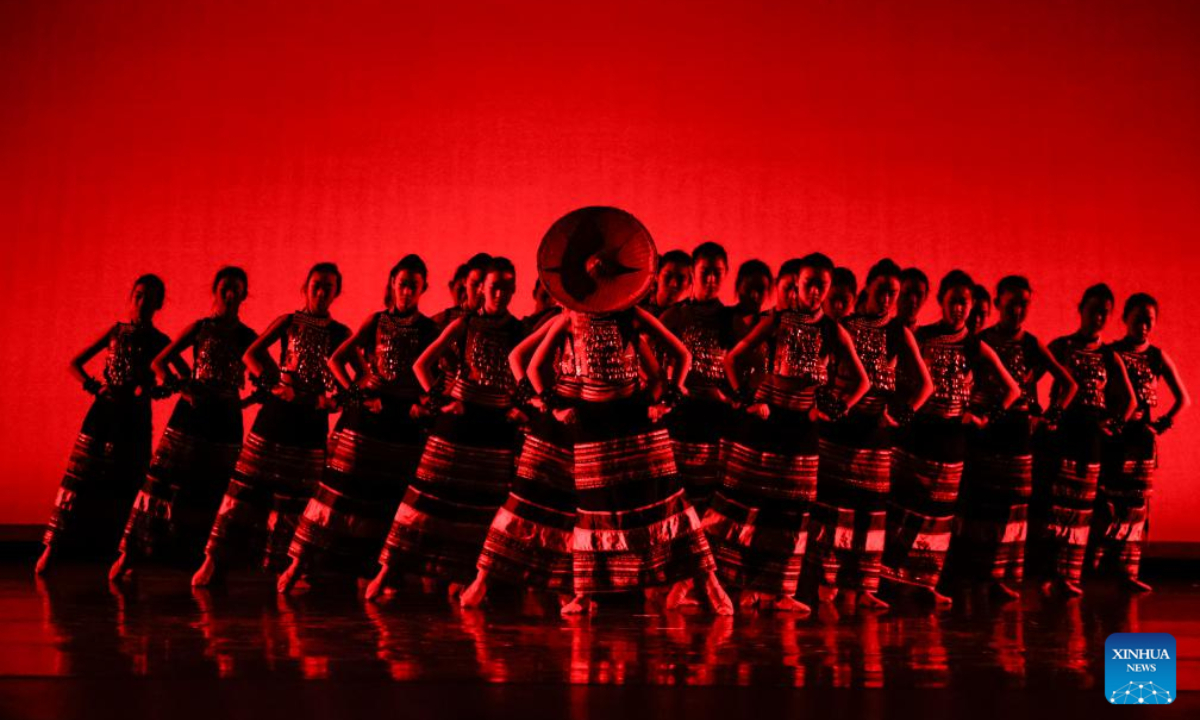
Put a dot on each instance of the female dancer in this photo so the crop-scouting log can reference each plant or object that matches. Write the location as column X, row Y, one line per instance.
column 175, row 508
column 758, row 520
column 112, row 453
column 705, row 325
column 847, row 526
column 635, row 528
column 529, row 541
column 284, row 454
column 377, row 442
column 988, row 539
column 928, row 462
column 465, row 471
column 1067, row 458
column 1122, row 518
column 753, row 285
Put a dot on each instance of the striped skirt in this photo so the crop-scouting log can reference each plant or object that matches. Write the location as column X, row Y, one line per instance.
column 635, row 528
column 993, row 507
column 529, row 542
column 371, row 458
column 276, row 472
column 173, row 513
column 846, row 529
column 1066, row 474
column 926, row 470
column 107, row 465
column 1122, row 519
column 697, row 427
column 463, row 478
column 757, row 522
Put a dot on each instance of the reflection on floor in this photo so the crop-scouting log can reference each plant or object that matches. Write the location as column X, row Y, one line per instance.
column 160, row 633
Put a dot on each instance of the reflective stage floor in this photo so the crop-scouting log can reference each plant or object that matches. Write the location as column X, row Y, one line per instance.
column 71, row 646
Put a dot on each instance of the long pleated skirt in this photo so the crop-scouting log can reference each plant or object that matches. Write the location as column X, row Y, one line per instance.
column 1066, row 475
column 372, row 456
column 174, row 511
column 697, row 428
column 106, row 467
column 991, row 524
column 926, row 471
column 1121, row 522
column 635, row 527
column 758, row 520
column 848, row 521
column 529, row 541
column 463, row 478
column 278, row 469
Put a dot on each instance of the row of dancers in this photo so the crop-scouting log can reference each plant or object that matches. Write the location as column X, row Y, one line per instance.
column 822, row 444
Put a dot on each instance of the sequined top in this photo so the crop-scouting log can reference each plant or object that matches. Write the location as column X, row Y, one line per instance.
column 131, row 347
column 877, row 341
column 1145, row 367
column 706, row 329
column 484, row 376
column 217, row 355
column 399, row 340
column 951, row 357
column 1021, row 358
column 307, row 343
column 755, row 365
column 1089, row 367
column 803, row 344
column 598, row 360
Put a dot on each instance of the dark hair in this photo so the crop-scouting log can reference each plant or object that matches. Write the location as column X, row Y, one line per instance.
column 537, row 285
column 709, row 251
column 751, row 268
column 1013, row 283
column 979, row 293
column 480, row 262
column 914, row 274
column 677, row 257
column 790, row 266
column 955, row 279
column 500, row 265
column 1137, row 300
column 884, row 268
column 460, row 274
column 412, row 263
column 816, row 261
column 1099, row 291
column 156, row 289
column 231, row 272
column 324, row 267
column 844, row 277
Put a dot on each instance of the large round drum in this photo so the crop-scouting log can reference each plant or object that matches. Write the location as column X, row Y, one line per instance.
column 597, row 260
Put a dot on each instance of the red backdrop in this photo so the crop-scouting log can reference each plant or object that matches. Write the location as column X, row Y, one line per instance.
column 1057, row 139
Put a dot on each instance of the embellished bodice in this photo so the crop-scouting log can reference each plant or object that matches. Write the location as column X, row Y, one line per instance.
column 308, row 342
column 131, row 348
column 951, row 357
column 1022, row 360
column 876, row 340
column 706, row 330
column 484, row 375
column 800, row 362
column 217, row 355
column 1089, row 367
column 1145, row 367
column 598, row 360
column 399, row 340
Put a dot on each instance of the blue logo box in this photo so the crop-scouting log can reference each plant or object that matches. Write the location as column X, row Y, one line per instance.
column 1139, row 669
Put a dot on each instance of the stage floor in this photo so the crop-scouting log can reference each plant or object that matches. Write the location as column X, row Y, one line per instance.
column 71, row 646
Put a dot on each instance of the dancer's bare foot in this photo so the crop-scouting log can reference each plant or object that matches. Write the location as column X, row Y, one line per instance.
column 940, row 601
column 789, row 604
column 207, row 574
column 117, row 572
column 43, row 562
column 871, row 601
column 578, row 605
column 1004, row 592
column 289, row 577
column 827, row 593
column 676, row 595
column 747, row 599
column 473, row 596
column 454, row 592
column 1133, row 584
column 377, row 585
column 717, row 597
